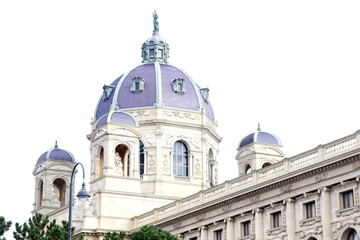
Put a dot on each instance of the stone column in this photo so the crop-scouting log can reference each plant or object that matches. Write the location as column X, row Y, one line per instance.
column 290, row 219
column 230, row 229
column 204, row 233
column 259, row 224
column 326, row 213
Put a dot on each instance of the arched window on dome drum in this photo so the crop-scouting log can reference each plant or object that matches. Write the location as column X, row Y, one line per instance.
column 142, row 158
column 59, row 190
column 180, row 160
column 101, row 161
column 248, row 169
column 353, row 235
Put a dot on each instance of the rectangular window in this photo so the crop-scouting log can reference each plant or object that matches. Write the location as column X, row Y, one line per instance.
column 310, row 209
column 348, row 199
column 246, row 228
column 160, row 53
column 219, row 234
column 152, row 53
column 276, row 219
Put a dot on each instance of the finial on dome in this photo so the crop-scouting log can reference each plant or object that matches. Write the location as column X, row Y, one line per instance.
column 155, row 49
column 56, row 145
column 156, row 23
column 259, row 129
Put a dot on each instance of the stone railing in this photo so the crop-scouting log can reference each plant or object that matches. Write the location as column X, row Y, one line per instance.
column 287, row 165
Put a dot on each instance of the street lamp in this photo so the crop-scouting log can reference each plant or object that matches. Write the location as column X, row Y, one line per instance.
column 83, row 195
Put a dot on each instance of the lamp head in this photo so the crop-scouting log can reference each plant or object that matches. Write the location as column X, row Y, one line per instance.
column 83, row 194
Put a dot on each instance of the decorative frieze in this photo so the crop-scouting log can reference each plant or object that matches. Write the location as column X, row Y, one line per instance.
column 145, row 113
column 321, row 177
column 181, row 115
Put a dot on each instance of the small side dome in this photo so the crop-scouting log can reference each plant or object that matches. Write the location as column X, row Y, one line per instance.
column 260, row 137
column 117, row 117
column 56, row 154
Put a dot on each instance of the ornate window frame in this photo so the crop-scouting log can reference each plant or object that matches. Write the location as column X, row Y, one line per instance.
column 178, row 85
column 185, row 157
column 137, row 85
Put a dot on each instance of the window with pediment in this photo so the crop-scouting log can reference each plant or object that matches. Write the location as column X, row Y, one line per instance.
column 137, row 85
column 178, row 85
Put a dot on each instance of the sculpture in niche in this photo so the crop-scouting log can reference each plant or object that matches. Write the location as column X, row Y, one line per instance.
column 118, row 162
column 55, row 194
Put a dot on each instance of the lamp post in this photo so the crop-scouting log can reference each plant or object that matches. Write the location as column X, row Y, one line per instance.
column 83, row 195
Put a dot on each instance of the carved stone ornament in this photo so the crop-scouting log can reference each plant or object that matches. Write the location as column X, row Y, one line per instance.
column 286, row 188
column 356, row 165
column 310, row 232
column 340, row 226
column 166, row 168
column 177, row 225
column 181, row 115
column 150, row 138
column 255, row 199
column 98, row 133
column 151, row 168
column 81, row 209
column 170, row 138
column 321, row 177
column 90, row 205
column 142, row 113
column 276, row 231
column 123, row 132
column 226, row 209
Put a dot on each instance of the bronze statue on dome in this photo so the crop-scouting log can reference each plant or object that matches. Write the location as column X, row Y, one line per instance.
column 156, row 23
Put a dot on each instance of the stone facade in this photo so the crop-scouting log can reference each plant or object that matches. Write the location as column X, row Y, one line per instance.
column 301, row 197
column 154, row 149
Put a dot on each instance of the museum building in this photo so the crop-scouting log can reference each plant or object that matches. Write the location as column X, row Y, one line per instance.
column 154, row 147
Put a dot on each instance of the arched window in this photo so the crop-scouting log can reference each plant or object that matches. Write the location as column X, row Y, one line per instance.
column 353, row 235
column 248, row 169
column 211, row 168
column 180, row 160
column 60, row 185
column 101, row 161
column 142, row 158
column 122, row 162
column 41, row 190
column 266, row 164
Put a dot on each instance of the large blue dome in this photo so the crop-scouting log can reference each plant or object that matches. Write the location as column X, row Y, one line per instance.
column 260, row 137
column 157, row 90
column 154, row 83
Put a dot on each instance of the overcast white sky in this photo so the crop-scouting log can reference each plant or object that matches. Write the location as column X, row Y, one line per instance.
column 292, row 66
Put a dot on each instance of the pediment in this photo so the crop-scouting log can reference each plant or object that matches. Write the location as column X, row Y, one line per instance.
column 125, row 132
column 244, row 152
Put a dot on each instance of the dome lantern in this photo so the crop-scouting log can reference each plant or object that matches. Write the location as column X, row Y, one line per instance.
column 155, row 49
